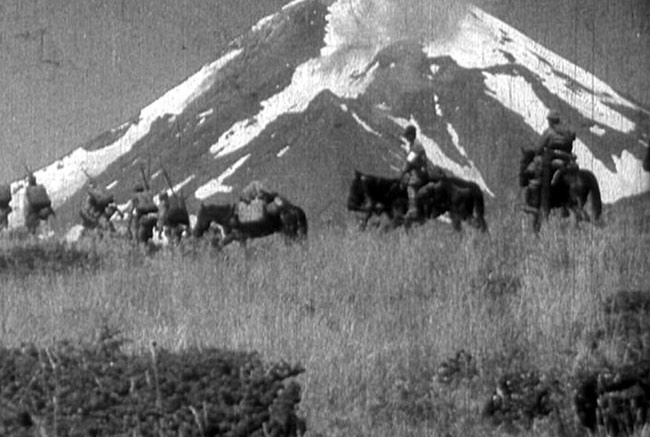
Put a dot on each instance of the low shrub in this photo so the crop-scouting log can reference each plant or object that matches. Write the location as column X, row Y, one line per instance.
column 96, row 390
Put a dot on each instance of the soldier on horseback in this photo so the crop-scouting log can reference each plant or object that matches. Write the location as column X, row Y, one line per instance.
column 414, row 172
column 558, row 139
column 552, row 156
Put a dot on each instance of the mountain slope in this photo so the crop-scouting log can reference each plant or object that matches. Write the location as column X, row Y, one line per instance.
column 310, row 94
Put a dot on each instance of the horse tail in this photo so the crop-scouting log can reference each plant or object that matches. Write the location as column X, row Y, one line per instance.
column 596, row 199
column 302, row 224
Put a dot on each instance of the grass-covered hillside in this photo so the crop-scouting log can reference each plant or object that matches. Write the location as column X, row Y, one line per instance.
column 399, row 333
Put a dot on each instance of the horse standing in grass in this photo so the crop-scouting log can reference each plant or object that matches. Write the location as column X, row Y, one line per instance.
column 375, row 196
column 462, row 199
column 570, row 191
column 285, row 218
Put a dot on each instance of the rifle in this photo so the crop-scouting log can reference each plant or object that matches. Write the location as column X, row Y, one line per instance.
column 169, row 181
column 29, row 172
column 90, row 178
column 144, row 178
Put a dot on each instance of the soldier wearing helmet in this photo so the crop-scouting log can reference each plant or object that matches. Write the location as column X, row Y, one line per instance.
column 554, row 154
column 558, row 140
column 414, row 172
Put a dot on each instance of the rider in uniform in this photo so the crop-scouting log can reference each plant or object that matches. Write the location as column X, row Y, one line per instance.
column 414, row 171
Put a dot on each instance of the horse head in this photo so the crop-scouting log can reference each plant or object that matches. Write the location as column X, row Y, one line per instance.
column 202, row 222
column 356, row 195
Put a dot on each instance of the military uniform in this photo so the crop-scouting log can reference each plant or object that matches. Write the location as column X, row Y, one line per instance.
column 558, row 140
column 415, row 171
column 34, row 213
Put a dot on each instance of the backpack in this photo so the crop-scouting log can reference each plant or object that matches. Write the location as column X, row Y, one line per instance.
column 37, row 197
column 5, row 195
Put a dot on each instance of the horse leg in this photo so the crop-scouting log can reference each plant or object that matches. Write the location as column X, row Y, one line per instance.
column 537, row 222
column 363, row 223
column 455, row 221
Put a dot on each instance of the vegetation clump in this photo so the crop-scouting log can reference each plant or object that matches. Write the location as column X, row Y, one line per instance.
column 46, row 257
column 97, row 390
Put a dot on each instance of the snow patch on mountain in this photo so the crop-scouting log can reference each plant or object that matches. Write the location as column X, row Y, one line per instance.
column 628, row 179
column 336, row 73
column 485, row 41
column 364, row 125
column 597, row 130
column 282, row 151
column 455, row 139
column 177, row 188
column 214, row 186
column 516, row 94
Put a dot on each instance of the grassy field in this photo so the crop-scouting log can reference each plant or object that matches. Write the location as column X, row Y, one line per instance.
column 371, row 316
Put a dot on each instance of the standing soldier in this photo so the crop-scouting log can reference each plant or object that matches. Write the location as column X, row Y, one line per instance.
column 142, row 214
column 5, row 208
column 38, row 204
column 415, row 172
column 97, row 209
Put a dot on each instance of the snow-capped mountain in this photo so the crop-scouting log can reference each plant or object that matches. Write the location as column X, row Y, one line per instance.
column 314, row 91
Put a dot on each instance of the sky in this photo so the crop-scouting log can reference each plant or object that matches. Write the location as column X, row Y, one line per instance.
column 72, row 69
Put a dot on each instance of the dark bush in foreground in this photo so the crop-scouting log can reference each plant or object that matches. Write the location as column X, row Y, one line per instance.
column 40, row 257
column 99, row 390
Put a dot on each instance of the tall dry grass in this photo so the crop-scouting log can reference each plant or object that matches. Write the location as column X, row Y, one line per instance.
column 370, row 315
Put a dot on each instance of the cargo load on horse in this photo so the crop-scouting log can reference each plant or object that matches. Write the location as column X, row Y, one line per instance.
column 37, row 197
column 251, row 212
column 256, row 202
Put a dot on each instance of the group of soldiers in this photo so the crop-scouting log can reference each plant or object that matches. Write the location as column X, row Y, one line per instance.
column 556, row 141
column 143, row 215
column 167, row 215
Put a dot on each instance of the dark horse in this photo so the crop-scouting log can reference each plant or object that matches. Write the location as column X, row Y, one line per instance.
column 288, row 220
column 646, row 160
column 375, row 195
column 569, row 192
column 462, row 199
